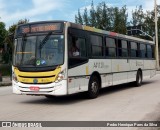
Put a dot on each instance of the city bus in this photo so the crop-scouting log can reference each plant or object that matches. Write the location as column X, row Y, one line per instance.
column 56, row 58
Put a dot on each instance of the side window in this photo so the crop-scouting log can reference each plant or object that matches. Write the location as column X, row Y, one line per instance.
column 153, row 51
column 110, row 47
column 122, row 48
column 97, row 46
column 143, row 50
column 77, row 47
column 149, row 51
column 77, row 51
column 134, row 49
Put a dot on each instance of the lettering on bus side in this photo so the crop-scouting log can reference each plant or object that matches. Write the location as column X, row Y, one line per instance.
column 100, row 65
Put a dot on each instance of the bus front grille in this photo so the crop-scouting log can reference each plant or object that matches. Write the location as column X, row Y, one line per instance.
column 37, row 79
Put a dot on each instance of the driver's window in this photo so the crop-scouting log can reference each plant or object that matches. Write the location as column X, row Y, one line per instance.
column 77, row 51
column 77, row 47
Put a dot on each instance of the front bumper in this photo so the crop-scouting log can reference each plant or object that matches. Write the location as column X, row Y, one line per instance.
column 55, row 89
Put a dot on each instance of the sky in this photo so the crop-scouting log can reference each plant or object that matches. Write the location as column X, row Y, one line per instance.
column 42, row 10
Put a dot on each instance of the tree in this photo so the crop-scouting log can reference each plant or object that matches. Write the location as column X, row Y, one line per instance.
column 79, row 18
column 123, row 20
column 103, row 17
column 3, row 33
column 106, row 19
column 137, row 16
column 149, row 25
column 9, row 39
column 85, row 17
column 23, row 21
column 11, row 31
column 92, row 15
column 76, row 19
column 98, row 14
column 116, row 19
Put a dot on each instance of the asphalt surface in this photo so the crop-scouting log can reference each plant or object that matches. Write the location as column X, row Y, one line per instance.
column 118, row 103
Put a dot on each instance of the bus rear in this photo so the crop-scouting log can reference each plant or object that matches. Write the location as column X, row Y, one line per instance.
column 39, row 63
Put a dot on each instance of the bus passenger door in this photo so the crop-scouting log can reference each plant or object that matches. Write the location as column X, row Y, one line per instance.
column 77, row 61
column 133, row 53
column 120, row 65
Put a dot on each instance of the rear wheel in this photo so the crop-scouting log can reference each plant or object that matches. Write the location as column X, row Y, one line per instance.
column 139, row 79
column 93, row 88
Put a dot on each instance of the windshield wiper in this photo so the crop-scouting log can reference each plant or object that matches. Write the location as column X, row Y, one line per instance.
column 44, row 40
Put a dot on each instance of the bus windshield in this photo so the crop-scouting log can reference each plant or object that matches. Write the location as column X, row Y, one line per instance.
column 40, row 51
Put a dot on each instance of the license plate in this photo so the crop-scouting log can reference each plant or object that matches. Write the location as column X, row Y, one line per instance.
column 33, row 88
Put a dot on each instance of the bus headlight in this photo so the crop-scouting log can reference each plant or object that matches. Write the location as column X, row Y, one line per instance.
column 14, row 77
column 60, row 76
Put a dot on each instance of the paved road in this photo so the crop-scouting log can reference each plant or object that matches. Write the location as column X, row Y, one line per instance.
column 118, row 103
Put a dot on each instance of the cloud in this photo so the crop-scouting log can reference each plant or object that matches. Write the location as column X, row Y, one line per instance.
column 39, row 9
column 1, row 5
column 149, row 4
column 83, row 8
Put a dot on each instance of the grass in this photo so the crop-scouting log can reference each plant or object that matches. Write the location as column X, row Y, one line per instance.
column 5, row 69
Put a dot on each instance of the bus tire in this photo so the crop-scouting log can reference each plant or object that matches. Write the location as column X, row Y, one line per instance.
column 138, row 79
column 93, row 88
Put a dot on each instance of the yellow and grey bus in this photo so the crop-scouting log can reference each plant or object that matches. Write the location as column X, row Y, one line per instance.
column 54, row 58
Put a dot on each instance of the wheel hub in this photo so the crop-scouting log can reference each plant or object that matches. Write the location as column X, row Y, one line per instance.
column 94, row 87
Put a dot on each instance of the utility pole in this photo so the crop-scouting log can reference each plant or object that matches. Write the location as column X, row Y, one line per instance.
column 156, row 35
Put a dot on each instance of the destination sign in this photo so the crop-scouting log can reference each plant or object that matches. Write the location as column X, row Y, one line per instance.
column 35, row 28
column 45, row 27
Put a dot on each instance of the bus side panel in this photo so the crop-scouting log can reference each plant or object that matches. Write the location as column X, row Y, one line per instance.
column 134, row 66
column 103, row 67
column 133, row 70
column 109, row 80
column 120, row 67
column 78, row 80
column 149, row 69
column 153, row 68
column 132, row 76
column 79, row 76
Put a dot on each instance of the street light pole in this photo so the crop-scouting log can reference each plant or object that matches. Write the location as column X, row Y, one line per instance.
column 156, row 35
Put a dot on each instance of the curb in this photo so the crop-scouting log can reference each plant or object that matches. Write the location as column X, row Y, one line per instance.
column 5, row 84
column 157, row 72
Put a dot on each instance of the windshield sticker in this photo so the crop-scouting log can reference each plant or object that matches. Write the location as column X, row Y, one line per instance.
column 43, row 62
column 38, row 62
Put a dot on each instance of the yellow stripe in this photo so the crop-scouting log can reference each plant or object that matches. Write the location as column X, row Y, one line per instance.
column 37, row 74
column 25, row 76
column 87, row 73
column 93, row 29
column 39, row 80
column 88, row 28
column 24, row 52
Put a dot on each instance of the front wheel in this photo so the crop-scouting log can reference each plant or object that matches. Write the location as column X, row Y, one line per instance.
column 93, row 87
column 138, row 79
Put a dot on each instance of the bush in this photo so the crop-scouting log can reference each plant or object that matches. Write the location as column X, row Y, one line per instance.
column 5, row 57
column 5, row 70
